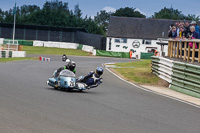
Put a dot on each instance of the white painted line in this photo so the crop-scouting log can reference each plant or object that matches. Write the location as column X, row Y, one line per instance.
column 151, row 90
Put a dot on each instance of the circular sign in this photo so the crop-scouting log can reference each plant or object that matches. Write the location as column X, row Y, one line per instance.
column 136, row 44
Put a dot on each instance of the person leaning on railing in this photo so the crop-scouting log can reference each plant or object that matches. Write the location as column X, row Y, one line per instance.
column 193, row 35
column 193, row 23
column 172, row 33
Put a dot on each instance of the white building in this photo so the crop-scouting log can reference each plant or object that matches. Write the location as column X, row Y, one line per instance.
column 139, row 34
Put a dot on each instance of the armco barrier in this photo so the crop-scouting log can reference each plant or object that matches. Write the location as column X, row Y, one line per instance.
column 63, row 45
column 183, row 77
column 162, row 67
column 186, row 78
column 112, row 54
column 10, row 54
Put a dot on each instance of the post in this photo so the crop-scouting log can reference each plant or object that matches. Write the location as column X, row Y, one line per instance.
column 169, row 46
column 171, row 53
column 177, row 50
column 14, row 12
column 181, row 50
column 188, row 53
column 193, row 52
column 185, row 50
column 174, row 55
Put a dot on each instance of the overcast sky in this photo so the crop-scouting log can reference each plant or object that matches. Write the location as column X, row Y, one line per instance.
column 91, row 7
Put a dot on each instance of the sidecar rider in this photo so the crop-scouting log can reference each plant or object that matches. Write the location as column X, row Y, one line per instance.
column 70, row 66
column 93, row 79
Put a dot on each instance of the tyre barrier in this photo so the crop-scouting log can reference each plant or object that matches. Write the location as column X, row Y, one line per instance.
column 44, row 59
column 182, row 77
column 10, row 54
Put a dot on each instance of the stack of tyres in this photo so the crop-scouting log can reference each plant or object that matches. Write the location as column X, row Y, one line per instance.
column 10, row 54
column 3, row 54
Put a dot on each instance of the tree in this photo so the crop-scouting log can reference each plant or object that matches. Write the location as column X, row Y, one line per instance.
column 53, row 13
column 169, row 13
column 77, row 11
column 192, row 17
column 128, row 12
column 175, row 14
column 102, row 19
column 1, row 15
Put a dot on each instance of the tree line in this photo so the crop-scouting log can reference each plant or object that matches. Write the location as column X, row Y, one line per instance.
column 57, row 13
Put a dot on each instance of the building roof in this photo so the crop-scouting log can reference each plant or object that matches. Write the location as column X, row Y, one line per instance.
column 138, row 28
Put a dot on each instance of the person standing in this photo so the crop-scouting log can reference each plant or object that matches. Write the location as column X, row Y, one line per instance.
column 173, row 33
column 177, row 24
column 193, row 23
column 187, row 27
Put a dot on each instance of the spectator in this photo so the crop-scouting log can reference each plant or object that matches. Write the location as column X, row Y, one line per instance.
column 193, row 23
column 182, row 33
column 177, row 24
column 173, row 33
column 181, row 24
column 187, row 27
column 170, row 27
column 182, row 36
column 192, row 34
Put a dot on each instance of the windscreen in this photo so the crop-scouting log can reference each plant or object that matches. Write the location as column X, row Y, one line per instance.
column 67, row 73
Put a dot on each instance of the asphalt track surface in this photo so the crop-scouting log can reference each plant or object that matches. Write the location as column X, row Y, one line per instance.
column 27, row 105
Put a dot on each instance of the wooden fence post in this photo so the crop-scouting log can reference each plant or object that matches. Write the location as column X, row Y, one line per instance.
column 177, row 50
column 193, row 52
column 188, row 53
column 181, row 50
column 174, row 48
column 185, row 50
column 169, row 48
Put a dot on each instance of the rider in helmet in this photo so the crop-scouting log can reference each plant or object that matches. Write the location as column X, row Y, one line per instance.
column 70, row 66
column 93, row 79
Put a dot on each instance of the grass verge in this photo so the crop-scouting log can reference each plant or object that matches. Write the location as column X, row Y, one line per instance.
column 138, row 72
column 54, row 51
column 4, row 60
column 45, row 50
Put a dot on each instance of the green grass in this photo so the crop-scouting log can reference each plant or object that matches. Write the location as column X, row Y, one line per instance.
column 3, row 60
column 46, row 50
column 139, row 73
column 54, row 51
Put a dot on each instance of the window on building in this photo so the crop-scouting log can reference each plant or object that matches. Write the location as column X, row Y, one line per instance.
column 121, row 40
column 148, row 42
column 117, row 40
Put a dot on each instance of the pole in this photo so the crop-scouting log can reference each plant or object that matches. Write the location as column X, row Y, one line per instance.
column 14, row 30
column 14, row 12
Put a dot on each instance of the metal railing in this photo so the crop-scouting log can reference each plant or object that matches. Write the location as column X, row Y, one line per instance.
column 188, row 50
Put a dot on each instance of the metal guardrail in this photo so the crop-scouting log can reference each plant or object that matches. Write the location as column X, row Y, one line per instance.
column 182, row 77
